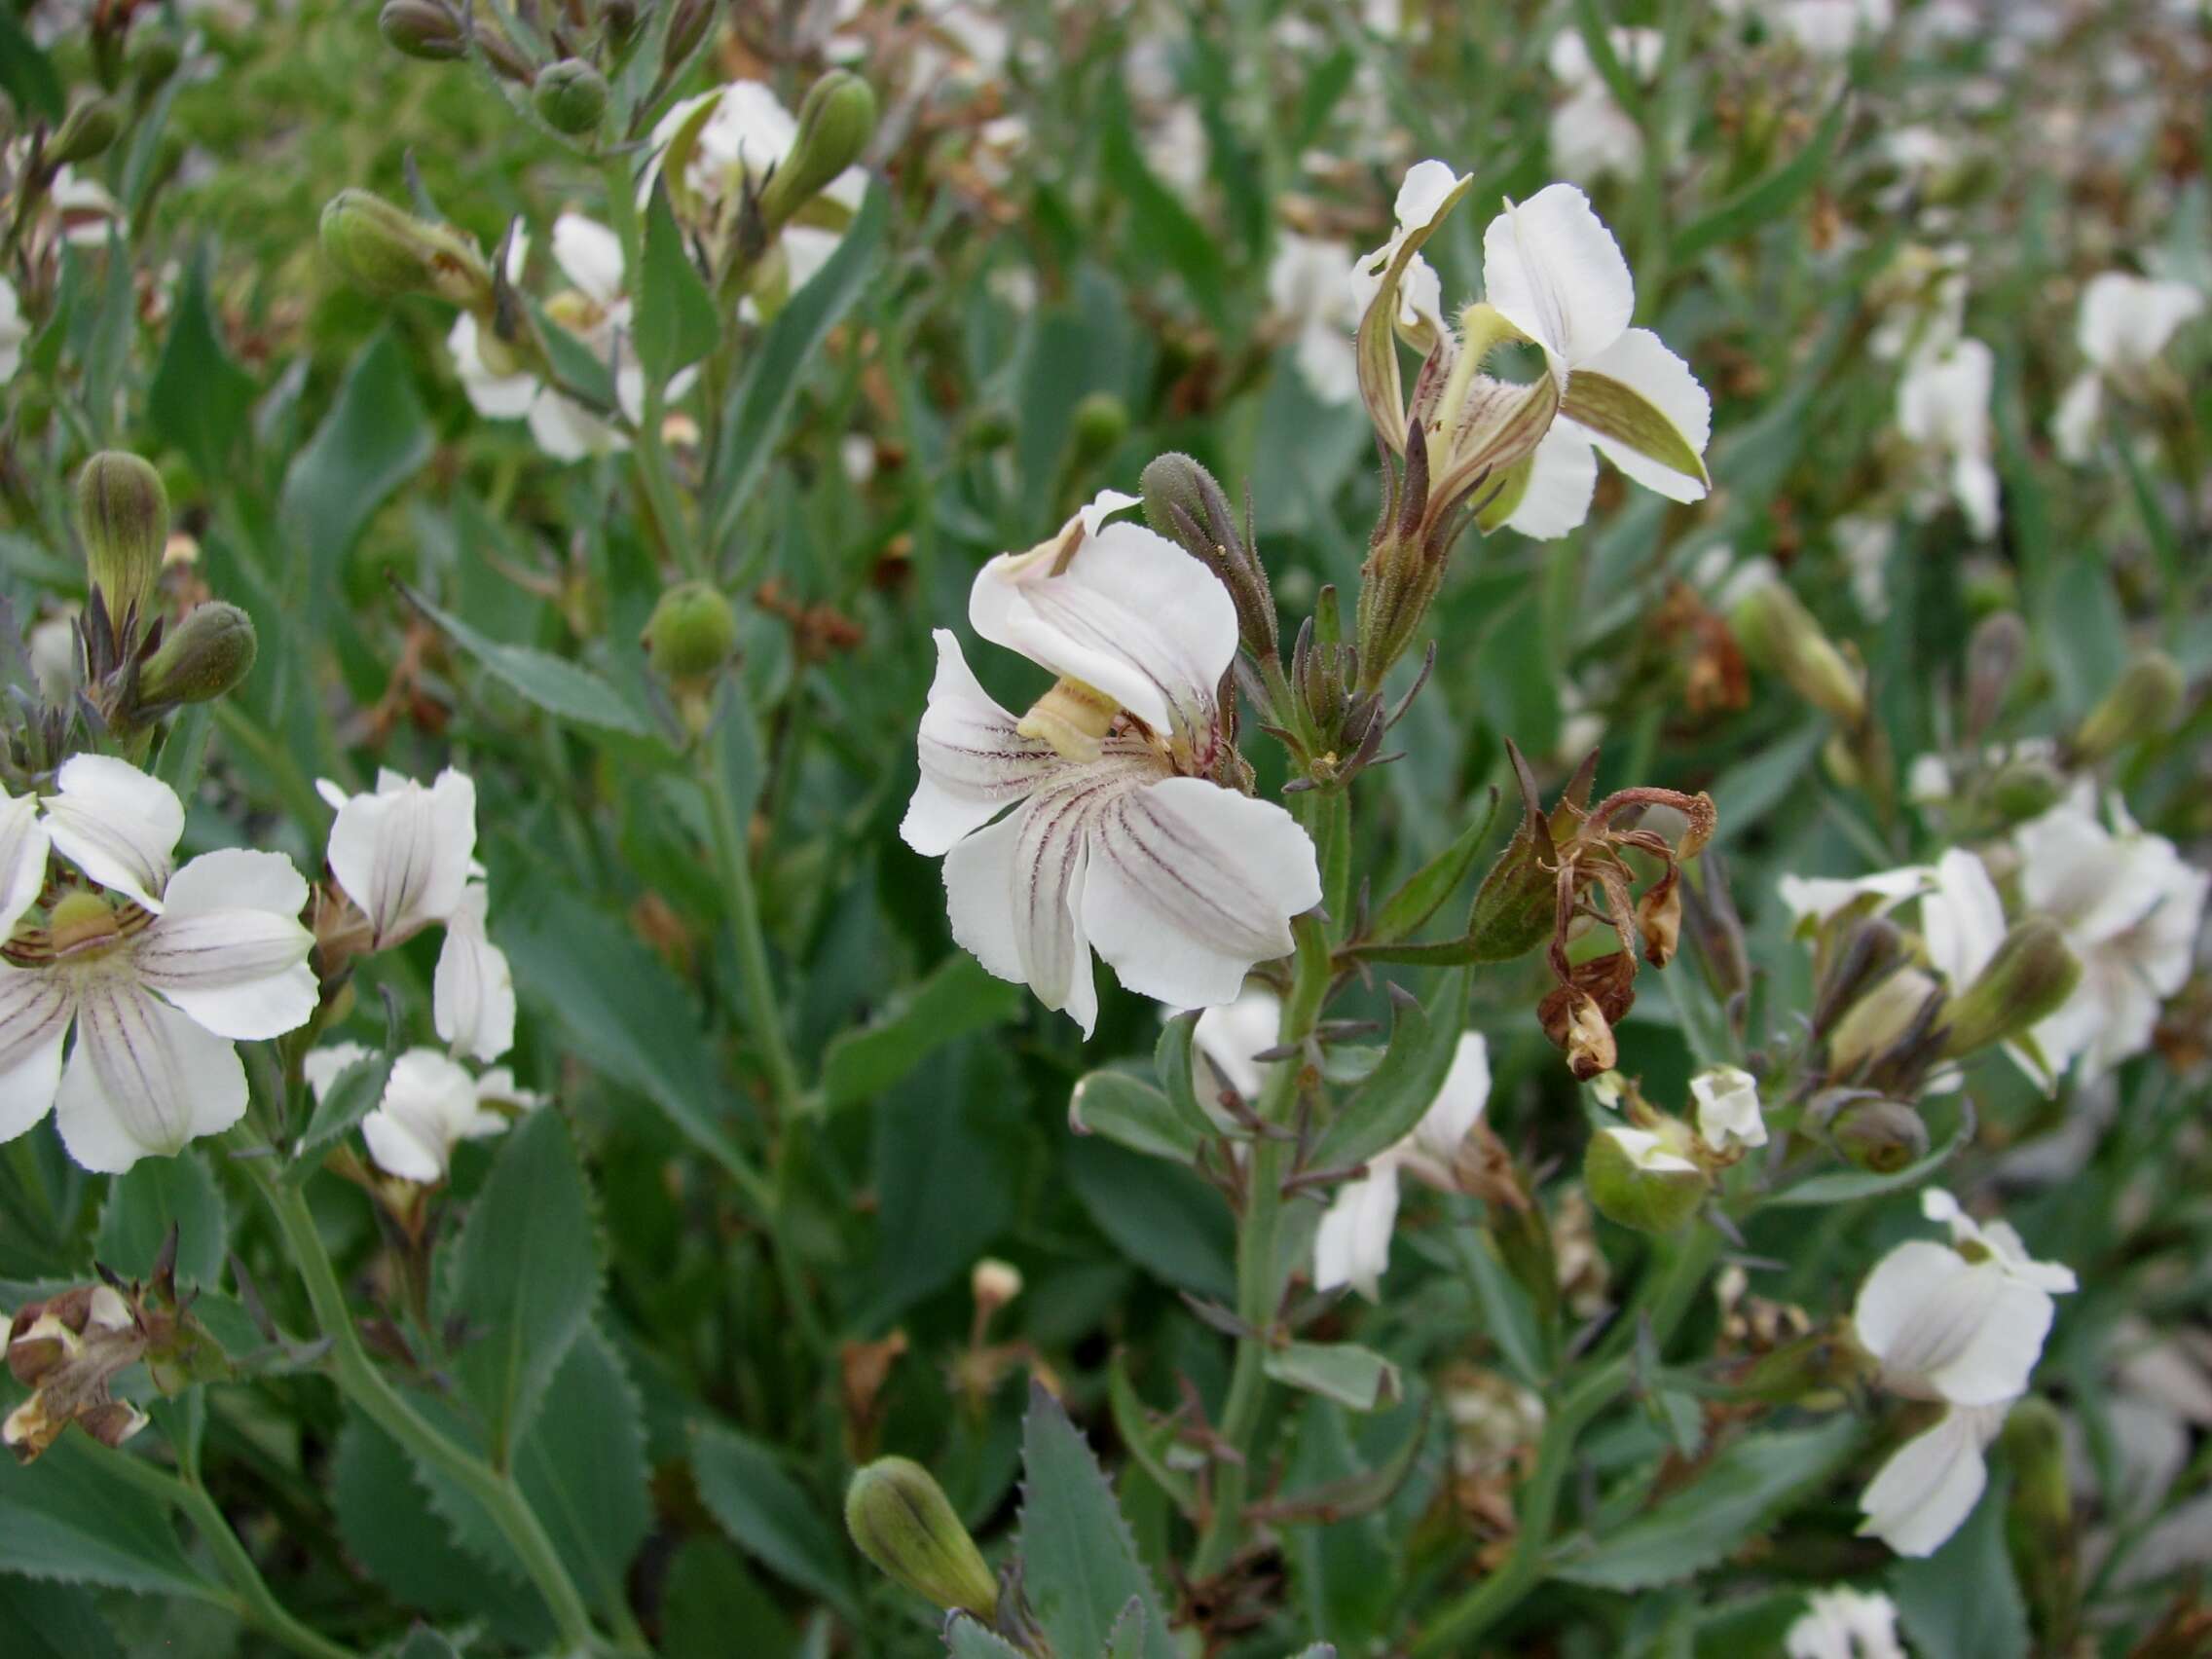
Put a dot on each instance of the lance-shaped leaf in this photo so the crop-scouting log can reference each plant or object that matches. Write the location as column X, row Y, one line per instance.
column 1172, row 1062
column 1617, row 412
column 1426, row 889
column 1354, row 1377
column 1423, row 1042
column 1079, row 1563
column 1131, row 1113
column 353, row 1095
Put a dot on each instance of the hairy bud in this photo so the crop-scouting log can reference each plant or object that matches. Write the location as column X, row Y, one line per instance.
column 2031, row 974
column 1644, row 1178
column 835, row 125
column 428, row 30
column 1183, row 501
column 202, row 657
column 389, row 252
column 571, row 97
column 123, row 511
column 1779, row 635
column 2140, row 705
column 903, row 1522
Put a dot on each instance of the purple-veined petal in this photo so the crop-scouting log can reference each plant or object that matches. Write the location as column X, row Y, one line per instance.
column 34, row 1016
column 1351, row 1245
column 973, row 761
column 117, row 825
column 403, row 854
column 142, row 1080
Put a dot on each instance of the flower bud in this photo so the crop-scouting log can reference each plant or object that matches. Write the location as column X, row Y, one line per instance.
column 1881, row 1019
column 994, row 1283
column 1779, row 635
column 1644, row 1178
column 200, row 658
column 1183, row 503
column 123, row 512
column 85, row 132
column 2025, row 789
column 621, row 19
column 903, row 1522
column 1879, row 1134
column 1995, row 650
column 428, row 30
column 389, row 252
column 1101, row 421
column 571, row 97
column 2031, row 974
column 155, row 54
column 2141, row 704
column 835, row 125
column 691, row 633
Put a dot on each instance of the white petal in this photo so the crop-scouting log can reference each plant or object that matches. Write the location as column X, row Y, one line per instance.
column 1728, row 1108
column 2092, row 882
column 2080, row 416
column 1227, row 1037
column 1554, row 269
column 429, row 1105
column 23, row 858
column 142, row 1080
column 1352, row 1243
column 2125, row 320
column 590, row 256
column 117, row 825
column 566, row 430
column 1818, row 897
column 402, row 855
column 973, row 761
column 1426, row 187
column 240, row 974
column 1459, row 1104
column 1563, row 476
column 1962, row 920
column 1946, row 1328
column 1191, row 884
column 235, row 879
column 1132, row 614
column 494, row 396
column 473, row 991
column 324, row 1066
column 1974, row 487
column 34, row 1016
column 1641, row 362
column 1930, row 1484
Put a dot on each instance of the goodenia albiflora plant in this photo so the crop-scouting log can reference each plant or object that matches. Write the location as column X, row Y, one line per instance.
column 517, row 1060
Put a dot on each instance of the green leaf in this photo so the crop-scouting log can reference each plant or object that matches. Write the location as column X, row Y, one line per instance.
column 1765, row 200
column 776, row 367
column 676, row 320
column 1172, row 1063
column 1152, row 1444
column 709, row 1591
column 1509, row 1314
column 947, row 1167
column 184, row 749
column 1388, row 1106
column 1424, row 891
column 1754, row 787
column 956, row 1000
column 145, row 1199
column 424, row 1642
column 1964, row 1602
column 579, row 371
column 1164, row 1219
column 1126, row 1639
column 1843, row 1186
column 70, row 1516
column 27, row 74
column 1080, row 1565
column 563, row 688
column 583, row 1469
column 1129, row 1112
column 526, row 1274
column 966, row 1639
column 1352, row 1376
column 2080, row 627
column 52, row 1621
column 1739, row 1495
column 1160, row 230
column 747, row 1489
column 200, row 399
column 354, row 1093
column 374, row 439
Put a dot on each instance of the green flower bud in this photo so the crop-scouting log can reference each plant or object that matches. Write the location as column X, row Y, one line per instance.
column 2031, row 974
column 85, row 132
column 571, row 97
column 1645, row 1178
column 200, row 658
column 1881, row 1019
column 123, row 512
column 1184, row 503
column 621, row 20
column 691, row 633
column 1880, row 1135
column 428, row 30
column 2141, row 704
column 1779, row 635
column 2025, row 789
column 1995, row 651
column 835, row 125
column 986, row 429
column 155, row 54
column 903, row 1522
column 1101, row 422
column 390, row 253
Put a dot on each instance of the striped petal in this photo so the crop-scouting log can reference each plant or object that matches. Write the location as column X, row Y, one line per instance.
column 143, row 1080
column 973, row 761
column 34, row 1015
column 117, row 825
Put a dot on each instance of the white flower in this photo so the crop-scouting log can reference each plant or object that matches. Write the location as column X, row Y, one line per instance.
column 1130, row 850
column 430, row 1105
column 1728, row 1108
column 1649, row 1152
column 1309, row 289
column 2124, row 325
column 1962, row 1324
column 403, row 853
column 2130, row 910
column 1427, row 191
column 1943, row 407
column 14, row 331
column 1227, row 1038
column 1844, row 1623
column 1829, row 28
column 156, row 987
column 1591, row 136
column 473, row 991
column 23, row 843
column 1813, row 899
column 1353, row 1244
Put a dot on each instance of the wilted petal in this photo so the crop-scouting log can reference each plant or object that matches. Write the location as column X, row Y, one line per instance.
column 1931, row 1483
column 117, row 825
column 472, row 993
column 23, row 858
column 1646, row 414
column 1352, row 1243
column 142, row 1080
column 34, row 1016
column 1556, row 272
column 403, row 854
column 973, row 761
column 1728, row 1108
column 1191, row 884
column 1132, row 614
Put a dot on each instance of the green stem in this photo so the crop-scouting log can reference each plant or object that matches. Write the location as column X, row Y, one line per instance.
column 1463, row 1622
column 362, row 1384
column 1259, row 1277
column 655, row 477
column 252, row 1594
column 735, row 872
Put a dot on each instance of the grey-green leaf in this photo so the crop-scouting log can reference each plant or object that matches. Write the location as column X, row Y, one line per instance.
column 70, row 1516
column 374, row 439
column 1354, row 1377
column 353, row 1094
column 759, row 1504
column 1129, row 1112
column 143, row 1202
column 676, row 320
column 1384, row 1112
column 559, row 687
column 1080, row 1563
column 958, row 998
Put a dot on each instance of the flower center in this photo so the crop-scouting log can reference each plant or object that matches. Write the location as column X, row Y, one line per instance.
column 1073, row 717
column 83, row 925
